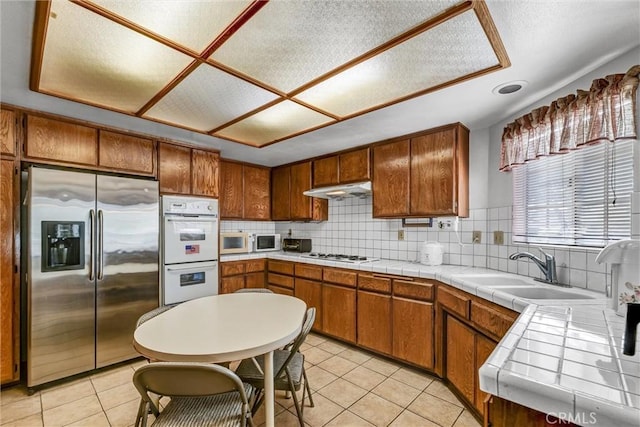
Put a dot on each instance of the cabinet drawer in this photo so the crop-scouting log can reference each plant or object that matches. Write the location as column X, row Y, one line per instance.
column 490, row 320
column 283, row 267
column 231, row 268
column 341, row 277
column 279, row 290
column 454, row 301
column 255, row 265
column 308, row 271
column 280, row 280
column 413, row 290
column 373, row 283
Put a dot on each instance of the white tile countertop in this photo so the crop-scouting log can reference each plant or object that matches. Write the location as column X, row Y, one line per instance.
column 562, row 357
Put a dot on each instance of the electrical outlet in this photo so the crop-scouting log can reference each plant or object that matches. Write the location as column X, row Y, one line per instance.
column 476, row 236
column 400, row 234
column 498, row 237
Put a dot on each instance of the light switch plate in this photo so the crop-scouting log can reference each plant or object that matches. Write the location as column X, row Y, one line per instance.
column 400, row 234
column 498, row 237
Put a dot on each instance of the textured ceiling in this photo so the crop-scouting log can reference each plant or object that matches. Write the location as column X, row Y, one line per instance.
column 258, row 72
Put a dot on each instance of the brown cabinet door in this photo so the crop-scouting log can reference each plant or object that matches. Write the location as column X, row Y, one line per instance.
column 126, row 153
column 8, row 132
column 255, row 280
column 484, row 347
column 325, row 171
column 232, row 268
column 231, row 190
column 204, row 173
column 257, row 196
column 310, row 291
column 433, row 171
column 61, row 142
column 391, row 179
column 280, row 193
column 339, row 312
column 354, row 166
column 8, row 327
column 231, row 284
column 460, row 357
column 300, row 182
column 174, row 170
column 374, row 321
column 413, row 331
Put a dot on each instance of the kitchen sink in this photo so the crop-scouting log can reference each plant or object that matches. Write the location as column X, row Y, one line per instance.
column 542, row 293
column 494, row 280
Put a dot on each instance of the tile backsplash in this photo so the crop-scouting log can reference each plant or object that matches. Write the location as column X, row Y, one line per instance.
column 351, row 229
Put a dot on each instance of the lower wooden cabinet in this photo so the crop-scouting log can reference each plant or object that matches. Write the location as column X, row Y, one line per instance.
column 339, row 312
column 460, row 357
column 413, row 328
column 374, row 321
column 483, row 346
column 310, row 291
column 503, row 413
column 242, row 274
column 9, row 290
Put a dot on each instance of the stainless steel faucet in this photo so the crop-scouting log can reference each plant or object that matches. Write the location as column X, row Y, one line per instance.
column 548, row 266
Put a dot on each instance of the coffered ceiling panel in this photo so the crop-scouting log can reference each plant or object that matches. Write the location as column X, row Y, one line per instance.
column 275, row 123
column 191, row 103
column 94, row 60
column 290, row 43
column 257, row 71
column 450, row 51
column 193, row 24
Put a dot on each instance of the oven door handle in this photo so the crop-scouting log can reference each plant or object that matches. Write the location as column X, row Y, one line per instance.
column 191, row 219
column 208, row 267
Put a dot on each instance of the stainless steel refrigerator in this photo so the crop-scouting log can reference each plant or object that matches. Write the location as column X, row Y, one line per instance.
column 92, row 269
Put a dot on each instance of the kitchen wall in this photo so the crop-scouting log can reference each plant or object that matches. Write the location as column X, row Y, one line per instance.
column 351, row 229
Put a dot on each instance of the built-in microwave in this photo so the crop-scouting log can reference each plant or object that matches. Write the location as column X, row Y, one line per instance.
column 235, row 242
column 266, row 242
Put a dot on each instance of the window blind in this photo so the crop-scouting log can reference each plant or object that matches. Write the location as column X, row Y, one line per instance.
column 581, row 198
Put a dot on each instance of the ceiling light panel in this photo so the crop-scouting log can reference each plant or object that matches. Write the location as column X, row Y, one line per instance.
column 192, row 24
column 274, row 123
column 94, row 60
column 451, row 50
column 289, row 43
column 208, row 98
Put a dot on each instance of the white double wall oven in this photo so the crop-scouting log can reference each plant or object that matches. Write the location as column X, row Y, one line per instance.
column 189, row 248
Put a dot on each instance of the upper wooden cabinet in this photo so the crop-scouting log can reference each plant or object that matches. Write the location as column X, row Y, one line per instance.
column 287, row 201
column 8, row 132
column 244, row 191
column 429, row 172
column 49, row 140
column 127, row 153
column 188, row 171
column 352, row 166
column 204, row 173
column 60, row 142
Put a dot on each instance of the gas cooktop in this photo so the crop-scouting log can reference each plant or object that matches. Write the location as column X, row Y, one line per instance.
column 351, row 259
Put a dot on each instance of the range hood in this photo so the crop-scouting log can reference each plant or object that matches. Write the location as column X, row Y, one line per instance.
column 338, row 192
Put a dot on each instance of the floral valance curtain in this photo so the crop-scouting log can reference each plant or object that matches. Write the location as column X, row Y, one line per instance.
column 607, row 112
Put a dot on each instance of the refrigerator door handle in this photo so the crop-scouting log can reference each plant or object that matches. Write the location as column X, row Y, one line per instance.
column 92, row 216
column 100, row 244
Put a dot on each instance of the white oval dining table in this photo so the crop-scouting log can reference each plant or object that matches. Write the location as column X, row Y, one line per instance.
column 224, row 328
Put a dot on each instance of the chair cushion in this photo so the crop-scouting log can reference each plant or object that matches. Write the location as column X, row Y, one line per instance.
column 248, row 372
column 221, row 410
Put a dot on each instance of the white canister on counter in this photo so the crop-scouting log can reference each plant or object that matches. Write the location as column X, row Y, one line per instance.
column 431, row 253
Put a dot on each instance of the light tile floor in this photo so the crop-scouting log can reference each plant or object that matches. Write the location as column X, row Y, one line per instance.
column 350, row 388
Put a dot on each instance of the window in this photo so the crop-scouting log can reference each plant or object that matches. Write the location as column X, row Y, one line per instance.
column 581, row 198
